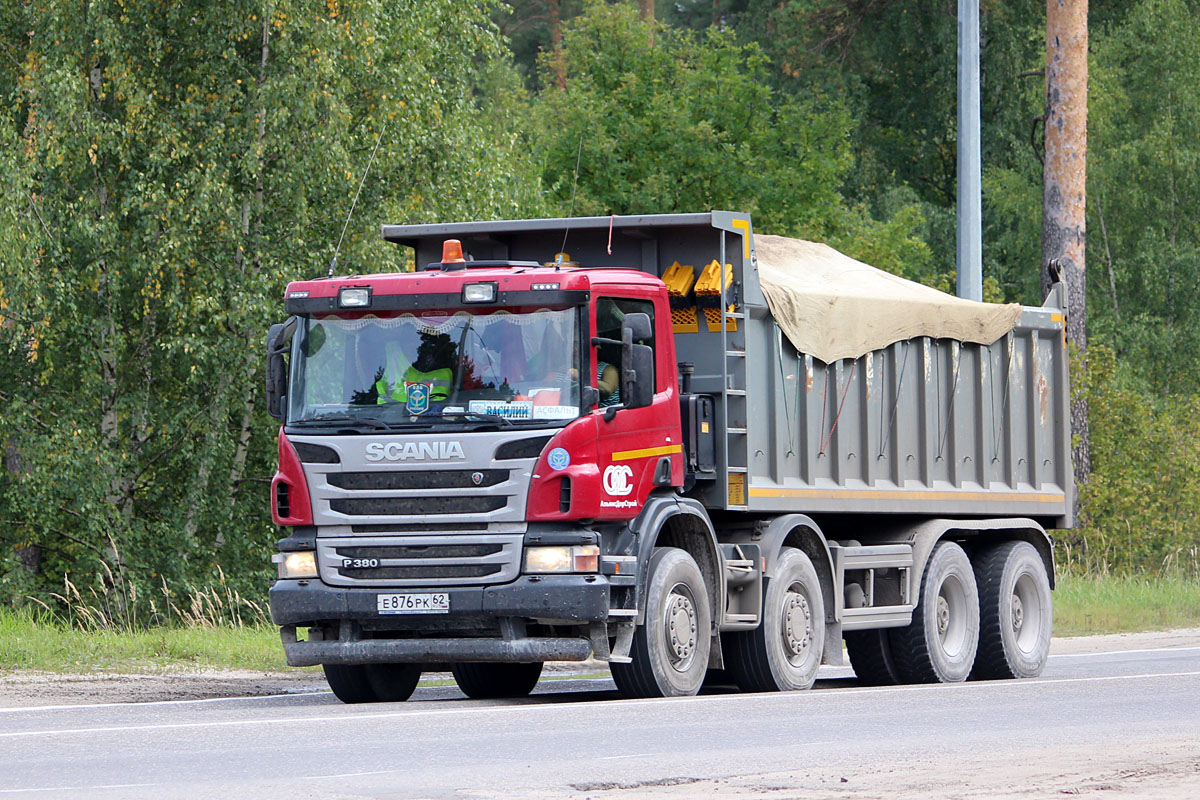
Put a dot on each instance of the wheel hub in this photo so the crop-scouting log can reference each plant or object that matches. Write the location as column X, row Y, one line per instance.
column 797, row 622
column 943, row 615
column 1018, row 613
column 681, row 629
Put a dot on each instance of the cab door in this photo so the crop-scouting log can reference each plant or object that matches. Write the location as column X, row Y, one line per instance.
column 638, row 449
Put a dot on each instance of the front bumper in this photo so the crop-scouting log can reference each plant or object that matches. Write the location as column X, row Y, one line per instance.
column 574, row 598
column 432, row 651
column 565, row 599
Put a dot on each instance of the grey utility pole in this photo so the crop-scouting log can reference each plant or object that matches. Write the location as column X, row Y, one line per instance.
column 970, row 215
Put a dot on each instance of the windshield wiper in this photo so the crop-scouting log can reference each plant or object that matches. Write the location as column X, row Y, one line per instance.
column 479, row 415
column 321, row 419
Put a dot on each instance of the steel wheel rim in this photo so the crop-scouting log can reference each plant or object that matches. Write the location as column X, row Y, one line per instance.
column 1025, row 613
column 950, row 617
column 680, row 634
column 796, row 628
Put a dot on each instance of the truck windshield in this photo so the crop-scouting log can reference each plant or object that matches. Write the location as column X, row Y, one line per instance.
column 511, row 367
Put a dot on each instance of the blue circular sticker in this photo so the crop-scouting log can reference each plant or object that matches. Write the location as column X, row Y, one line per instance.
column 559, row 458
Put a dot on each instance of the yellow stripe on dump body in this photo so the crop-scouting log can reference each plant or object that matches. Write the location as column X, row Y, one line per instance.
column 665, row 450
column 897, row 494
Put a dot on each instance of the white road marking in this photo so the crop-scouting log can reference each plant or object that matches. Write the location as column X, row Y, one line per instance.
column 78, row 788
column 136, row 704
column 831, row 694
column 348, row 774
column 1124, row 652
column 635, row 755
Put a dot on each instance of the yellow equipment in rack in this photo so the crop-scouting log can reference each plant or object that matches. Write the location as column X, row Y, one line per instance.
column 708, row 296
column 679, row 279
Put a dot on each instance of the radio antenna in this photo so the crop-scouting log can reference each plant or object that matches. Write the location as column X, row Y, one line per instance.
column 574, row 186
column 366, row 172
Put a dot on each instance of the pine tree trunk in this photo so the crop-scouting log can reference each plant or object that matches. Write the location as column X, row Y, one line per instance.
column 555, row 23
column 1064, row 188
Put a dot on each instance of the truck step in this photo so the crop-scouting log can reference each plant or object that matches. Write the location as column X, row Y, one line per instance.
column 857, row 619
column 736, row 392
column 879, row 556
column 735, row 353
column 622, row 612
column 736, row 431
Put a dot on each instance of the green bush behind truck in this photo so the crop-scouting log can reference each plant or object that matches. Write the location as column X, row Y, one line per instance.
column 802, row 450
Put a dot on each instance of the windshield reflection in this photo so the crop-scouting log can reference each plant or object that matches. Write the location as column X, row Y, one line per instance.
column 405, row 369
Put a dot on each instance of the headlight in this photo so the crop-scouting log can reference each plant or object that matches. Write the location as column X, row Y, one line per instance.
column 354, row 297
column 299, row 564
column 568, row 558
column 479, row 293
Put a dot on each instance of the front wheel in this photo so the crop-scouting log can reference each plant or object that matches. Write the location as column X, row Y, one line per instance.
column 670, row 651
column 940, row 644
column 372, row 683
column 784, row 652
column 1015, row 612
column 491, row 681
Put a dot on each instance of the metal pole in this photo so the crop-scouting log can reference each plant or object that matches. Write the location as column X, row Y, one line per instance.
column 970, row 216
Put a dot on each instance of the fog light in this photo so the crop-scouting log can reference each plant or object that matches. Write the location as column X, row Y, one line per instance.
column 299, row 564
column 354, row 297
column 479, row 293
column 567, row 558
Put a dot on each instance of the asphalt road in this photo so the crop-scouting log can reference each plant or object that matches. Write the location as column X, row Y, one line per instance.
column 577, row 737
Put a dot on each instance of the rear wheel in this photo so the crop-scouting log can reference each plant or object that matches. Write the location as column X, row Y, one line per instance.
column 1014, row 610
column 670, row 651
column 784, row 652
column 940, row 644
column 871, row 656
column 494, row 680
column 372, row 683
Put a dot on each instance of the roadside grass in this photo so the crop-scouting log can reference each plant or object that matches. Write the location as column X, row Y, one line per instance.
column 37, row 641
column 34, row 639
column 1086, row 605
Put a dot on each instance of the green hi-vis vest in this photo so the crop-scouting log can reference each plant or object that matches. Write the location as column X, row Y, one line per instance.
column 439, row 378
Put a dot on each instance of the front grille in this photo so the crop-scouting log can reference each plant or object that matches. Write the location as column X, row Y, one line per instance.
column 422, row 527
column 462, row 559
column 440, row 479
column 413, row 506
column 423, row 572
column 421, row 551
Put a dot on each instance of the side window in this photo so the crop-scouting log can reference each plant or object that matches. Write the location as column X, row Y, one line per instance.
column 610, row 311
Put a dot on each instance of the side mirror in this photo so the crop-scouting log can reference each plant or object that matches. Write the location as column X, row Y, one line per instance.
column 278, row 338
column 638, row 326
column 637, row 379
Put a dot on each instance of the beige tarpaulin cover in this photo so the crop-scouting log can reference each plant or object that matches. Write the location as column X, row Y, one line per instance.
column 832, row 307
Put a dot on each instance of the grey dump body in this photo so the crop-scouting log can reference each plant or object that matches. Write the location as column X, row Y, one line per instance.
column 864, row 464
column 925, row 427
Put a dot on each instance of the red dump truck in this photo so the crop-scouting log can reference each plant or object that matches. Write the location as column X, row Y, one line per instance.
column 683, row 449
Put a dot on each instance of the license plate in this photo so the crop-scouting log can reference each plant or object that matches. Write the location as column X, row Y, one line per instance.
column 431, row 603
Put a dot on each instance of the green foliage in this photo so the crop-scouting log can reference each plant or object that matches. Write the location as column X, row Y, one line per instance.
column 164, row 172
column 662, row 120
column 1142, row 505
column 1144, row 189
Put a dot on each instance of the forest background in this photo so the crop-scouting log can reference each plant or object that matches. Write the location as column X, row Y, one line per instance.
column 166, row 168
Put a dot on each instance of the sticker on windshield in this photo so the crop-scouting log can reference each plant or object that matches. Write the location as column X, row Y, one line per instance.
column 555, row 412
column 518, row 409
column 418, row 397
column 559, row 458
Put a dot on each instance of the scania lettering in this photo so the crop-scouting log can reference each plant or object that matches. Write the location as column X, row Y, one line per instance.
column 689, row 450
column 406, row 451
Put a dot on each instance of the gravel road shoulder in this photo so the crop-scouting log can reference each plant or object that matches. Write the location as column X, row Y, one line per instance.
column 24, row 689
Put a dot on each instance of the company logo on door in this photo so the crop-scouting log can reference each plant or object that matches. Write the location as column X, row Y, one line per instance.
column 617, row 484
column 616, row 480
